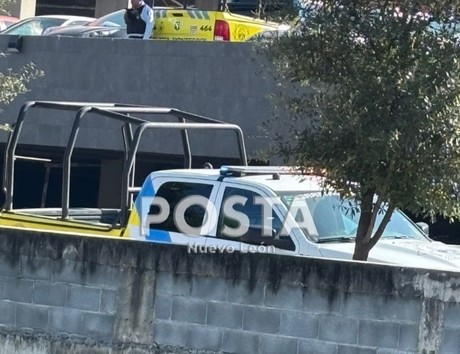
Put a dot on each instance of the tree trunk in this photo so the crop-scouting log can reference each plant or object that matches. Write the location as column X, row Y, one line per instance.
column 362, row 241
column 365, row 237
column 361, row 252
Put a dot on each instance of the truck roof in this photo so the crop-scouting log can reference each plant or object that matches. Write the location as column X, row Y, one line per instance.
column 282, row 183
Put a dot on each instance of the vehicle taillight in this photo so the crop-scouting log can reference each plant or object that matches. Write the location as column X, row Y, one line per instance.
column 221, row 31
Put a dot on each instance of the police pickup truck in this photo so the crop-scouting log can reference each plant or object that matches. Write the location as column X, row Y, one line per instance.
column 227, row 209
column 206, row 20
column 209, row 20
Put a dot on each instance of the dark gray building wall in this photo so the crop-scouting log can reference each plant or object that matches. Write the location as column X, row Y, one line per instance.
column 76, row 295
column 96, row 8
column 225, row 81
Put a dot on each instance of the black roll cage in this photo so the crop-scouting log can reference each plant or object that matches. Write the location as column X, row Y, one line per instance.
column 119, row 112
column 221, row 4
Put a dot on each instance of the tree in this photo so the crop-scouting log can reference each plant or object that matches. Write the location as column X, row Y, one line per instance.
column 12, row 83
column 4, row 5
column 375, row 102
column 275, row 10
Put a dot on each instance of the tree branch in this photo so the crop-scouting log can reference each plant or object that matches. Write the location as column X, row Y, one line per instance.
column 375, row 210
column 383, row 224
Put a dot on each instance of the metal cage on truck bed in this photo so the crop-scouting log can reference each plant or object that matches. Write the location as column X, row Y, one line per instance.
column 132, row 132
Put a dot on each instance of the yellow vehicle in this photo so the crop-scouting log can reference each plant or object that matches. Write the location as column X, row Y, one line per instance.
column 207, row 20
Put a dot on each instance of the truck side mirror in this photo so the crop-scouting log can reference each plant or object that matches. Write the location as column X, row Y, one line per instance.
column 424, row 227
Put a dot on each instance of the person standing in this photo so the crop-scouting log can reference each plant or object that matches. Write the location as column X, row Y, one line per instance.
column 139, row 20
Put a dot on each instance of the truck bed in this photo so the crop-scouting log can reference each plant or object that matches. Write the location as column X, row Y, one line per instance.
column 92, row 215
column 81, row 221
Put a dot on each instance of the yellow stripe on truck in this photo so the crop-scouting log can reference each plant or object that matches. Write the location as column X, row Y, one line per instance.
column 41, row 223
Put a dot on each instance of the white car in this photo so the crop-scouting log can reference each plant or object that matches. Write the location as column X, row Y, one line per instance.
column 38, row 25
column 301, row 221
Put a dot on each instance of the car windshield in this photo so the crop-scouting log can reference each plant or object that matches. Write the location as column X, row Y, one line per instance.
column 328, row 217
column 114, row 19
column 33, row 26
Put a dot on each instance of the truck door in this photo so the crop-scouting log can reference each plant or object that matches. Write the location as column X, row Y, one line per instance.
column 253, row 239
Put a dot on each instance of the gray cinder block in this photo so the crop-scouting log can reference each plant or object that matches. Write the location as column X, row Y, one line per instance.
column 379, row 334
column 299, row 324
column 221, row 314
column 240, row 342
column 32, row 316
column 337, row 329
column 83, row 297
column 52, row 294
column 258, row 319
column 189, row 310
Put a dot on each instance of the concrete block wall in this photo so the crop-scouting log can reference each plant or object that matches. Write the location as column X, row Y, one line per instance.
column 36, row 295
column 73, row 294
column 220, row 316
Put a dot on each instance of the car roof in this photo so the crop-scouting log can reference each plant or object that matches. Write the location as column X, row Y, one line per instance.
column 9, row 18
column 285, row 183
column 64, row 17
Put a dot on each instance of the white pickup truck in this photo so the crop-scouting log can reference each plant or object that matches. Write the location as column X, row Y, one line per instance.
column 228, row 209
column 297, row 221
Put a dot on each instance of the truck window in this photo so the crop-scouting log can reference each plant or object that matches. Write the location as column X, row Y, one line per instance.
column 174, row 192
column 254, row 212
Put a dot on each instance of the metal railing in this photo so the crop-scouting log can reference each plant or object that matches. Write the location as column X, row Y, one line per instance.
column 119, row 112
column 182, row 126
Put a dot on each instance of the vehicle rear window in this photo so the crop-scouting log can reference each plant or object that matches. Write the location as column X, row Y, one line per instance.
column 114, row 19
column 34, row 27
column 174, row 192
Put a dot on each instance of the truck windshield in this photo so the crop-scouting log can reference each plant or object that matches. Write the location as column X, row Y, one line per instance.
column 328, row 218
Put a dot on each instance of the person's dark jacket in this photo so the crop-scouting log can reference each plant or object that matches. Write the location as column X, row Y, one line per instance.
column 134, row 22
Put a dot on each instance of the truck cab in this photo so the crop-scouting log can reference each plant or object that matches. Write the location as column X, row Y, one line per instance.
column 269, row 210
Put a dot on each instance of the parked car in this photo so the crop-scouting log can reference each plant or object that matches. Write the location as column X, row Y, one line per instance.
column 6, row 21
column 111, row 25
column 35, row 26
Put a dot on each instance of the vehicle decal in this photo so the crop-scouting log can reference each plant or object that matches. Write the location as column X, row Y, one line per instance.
column 181, row 38
column 177, row 25
column 241, row 33
column 193, row 29
column 206, row 28
column 161, row 14
column 200, row 15
column 158, row 236
column 140, row 211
